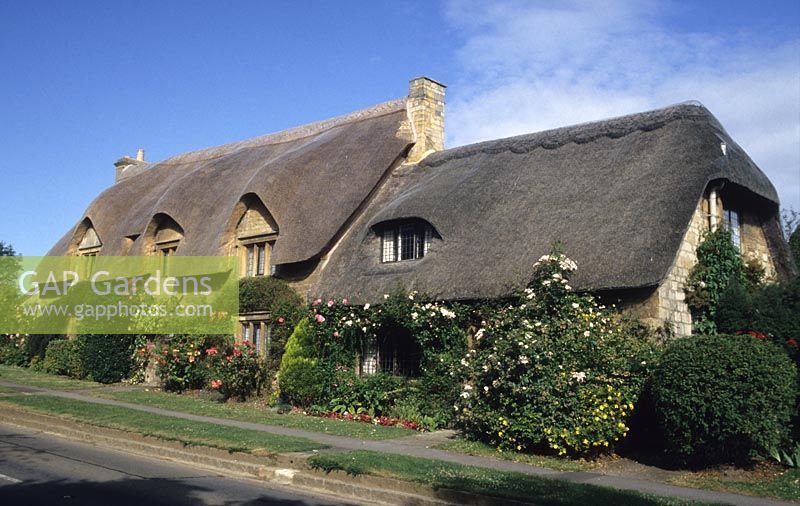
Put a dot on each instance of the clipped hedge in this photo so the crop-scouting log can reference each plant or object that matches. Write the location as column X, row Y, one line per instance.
column 721, row 399
column 106, row 358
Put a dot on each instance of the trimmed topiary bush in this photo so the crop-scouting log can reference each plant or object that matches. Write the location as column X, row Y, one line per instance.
column 62, row 357
column 301, row 378
column 721, row 399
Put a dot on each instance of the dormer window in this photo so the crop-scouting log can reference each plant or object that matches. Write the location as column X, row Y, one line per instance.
column 256, row 233
column 163, row 236
column 168, row 237
column 90, row 244
column 408, row 240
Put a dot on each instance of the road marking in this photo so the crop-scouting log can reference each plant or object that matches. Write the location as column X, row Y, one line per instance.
column 9, row 478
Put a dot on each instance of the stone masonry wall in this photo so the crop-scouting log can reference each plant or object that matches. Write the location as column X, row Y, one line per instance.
column 670, row 304
column 754, row 245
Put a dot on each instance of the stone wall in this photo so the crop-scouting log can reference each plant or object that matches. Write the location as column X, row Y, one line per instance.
column 670, row 305
column 754, row 245
column 667, row 303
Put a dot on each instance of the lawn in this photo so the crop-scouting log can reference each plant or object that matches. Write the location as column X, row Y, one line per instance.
column 484, row 450
column 28, row 377
column 763, row 480
column 247, row 412
column 504, row 484
column 163, row 427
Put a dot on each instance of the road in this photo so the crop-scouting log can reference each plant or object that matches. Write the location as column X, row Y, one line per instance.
column 40, row 469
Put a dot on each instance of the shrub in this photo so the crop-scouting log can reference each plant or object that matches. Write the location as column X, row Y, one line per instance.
column 36, row 344
column 284, row 306
column 718, row 263
column 237, row 372
column 12, row 350
column 62, row 357
column 106, row 358
column 723, row 398
column 772, row 311
column 553, row 370
column 301, row 378
column 181, row 362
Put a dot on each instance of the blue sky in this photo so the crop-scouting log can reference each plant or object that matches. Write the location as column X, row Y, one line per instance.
column 84, row 83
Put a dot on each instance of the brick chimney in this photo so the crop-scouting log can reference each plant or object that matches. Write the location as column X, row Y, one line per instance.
column 126, row 161
column 426, row 110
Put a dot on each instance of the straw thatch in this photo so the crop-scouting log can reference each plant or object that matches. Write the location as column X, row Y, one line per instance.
column 619, row 195
column 311, row 179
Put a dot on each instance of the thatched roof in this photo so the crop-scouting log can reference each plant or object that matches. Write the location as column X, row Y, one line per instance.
column 311, row 179
column 619, row 195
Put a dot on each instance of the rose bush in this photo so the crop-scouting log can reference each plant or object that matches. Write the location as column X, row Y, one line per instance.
column 237, row 372
column 553, row 370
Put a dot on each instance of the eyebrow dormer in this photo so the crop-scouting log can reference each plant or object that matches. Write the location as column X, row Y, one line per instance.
column 402, row 240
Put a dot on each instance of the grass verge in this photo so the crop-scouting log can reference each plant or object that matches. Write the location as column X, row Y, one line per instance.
column 31, row 378
column 258, row 414
column 163, row 427
column 765, row 480
column 475, row 480
column 479, row 449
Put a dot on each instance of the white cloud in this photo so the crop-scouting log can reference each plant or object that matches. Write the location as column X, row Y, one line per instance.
column 529, row 66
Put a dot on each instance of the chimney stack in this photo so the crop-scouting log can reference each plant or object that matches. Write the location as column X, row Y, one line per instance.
column 426, row 111
column 126, row 161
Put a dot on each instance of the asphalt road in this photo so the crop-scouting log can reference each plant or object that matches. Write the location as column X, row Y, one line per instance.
column 40, row 469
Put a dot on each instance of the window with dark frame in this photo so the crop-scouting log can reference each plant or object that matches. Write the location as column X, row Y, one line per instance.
column 405, row 241
column 733, row 222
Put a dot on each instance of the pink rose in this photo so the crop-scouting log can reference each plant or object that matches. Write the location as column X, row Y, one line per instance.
column 345, row 301
column 330, row 303
column 316, row 302
column 319, row 318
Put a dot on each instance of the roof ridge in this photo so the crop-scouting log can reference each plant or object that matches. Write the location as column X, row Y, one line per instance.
column 290, row 134
column 580, row 133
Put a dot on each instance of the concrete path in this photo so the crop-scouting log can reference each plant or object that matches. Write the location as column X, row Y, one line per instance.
column 410, row 446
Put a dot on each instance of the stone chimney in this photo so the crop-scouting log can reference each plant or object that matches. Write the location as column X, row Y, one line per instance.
column 126, row 161
column 426, row 111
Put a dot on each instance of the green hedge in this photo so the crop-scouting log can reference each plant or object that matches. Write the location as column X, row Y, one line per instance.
column 106, row 358
column 101, row 358
column 720, row 399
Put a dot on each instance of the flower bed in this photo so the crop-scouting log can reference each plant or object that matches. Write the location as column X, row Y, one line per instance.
column 385, row 421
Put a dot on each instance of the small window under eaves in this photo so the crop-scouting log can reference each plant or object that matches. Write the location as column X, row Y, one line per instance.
column 405, row 240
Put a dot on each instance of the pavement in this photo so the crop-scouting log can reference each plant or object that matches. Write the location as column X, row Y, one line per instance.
column 420, row 446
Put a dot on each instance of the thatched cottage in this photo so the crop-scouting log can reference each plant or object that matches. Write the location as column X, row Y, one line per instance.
column 359, row 205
